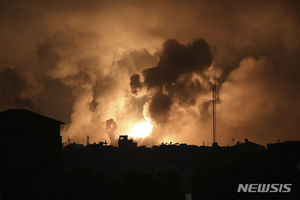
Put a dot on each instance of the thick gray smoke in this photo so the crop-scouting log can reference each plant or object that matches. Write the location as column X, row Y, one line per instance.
column 18, row 90
column 84, row 62
column 171, row 78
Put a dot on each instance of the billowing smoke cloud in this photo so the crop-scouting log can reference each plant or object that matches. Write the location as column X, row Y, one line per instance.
column 110, row 127
column 135, row 83
column 18, row 90
column 177, row 61
column 272, row 109
column 76, row 60
column 159, row 107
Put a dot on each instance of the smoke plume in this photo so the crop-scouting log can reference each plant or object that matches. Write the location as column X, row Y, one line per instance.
column 172, row 75
column 18, row 90
column 87, row 62
column 111, row 127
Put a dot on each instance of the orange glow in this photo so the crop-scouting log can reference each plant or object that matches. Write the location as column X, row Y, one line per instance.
column 141, row 130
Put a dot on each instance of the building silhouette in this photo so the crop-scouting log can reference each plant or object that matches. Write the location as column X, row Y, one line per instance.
column 31, row 152
column 26, row 134
column 37, row 167
column 126, row 143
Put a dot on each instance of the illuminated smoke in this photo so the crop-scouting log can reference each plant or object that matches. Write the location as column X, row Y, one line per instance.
column 110, row 127
column 18, row 90
column 172, row 78
column 85, row 63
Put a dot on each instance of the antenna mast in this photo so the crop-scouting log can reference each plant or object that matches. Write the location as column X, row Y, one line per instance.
column 87, row 140
column 214, row 111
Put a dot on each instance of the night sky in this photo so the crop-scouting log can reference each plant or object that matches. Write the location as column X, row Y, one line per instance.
column 154, row 62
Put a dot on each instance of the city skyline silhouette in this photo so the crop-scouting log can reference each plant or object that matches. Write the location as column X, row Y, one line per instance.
column 158, row 100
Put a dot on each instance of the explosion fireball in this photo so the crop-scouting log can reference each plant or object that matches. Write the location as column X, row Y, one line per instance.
column 141, row 130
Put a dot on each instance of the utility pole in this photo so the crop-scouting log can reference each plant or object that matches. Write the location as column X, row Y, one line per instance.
column 214, row 111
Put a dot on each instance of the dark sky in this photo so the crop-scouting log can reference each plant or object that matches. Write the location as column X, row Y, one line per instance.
column 84, row 62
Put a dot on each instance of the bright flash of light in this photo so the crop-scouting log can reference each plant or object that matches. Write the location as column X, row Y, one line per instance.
column 141, row 130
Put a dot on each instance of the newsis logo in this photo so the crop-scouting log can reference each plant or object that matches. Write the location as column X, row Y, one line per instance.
column 264, row 188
